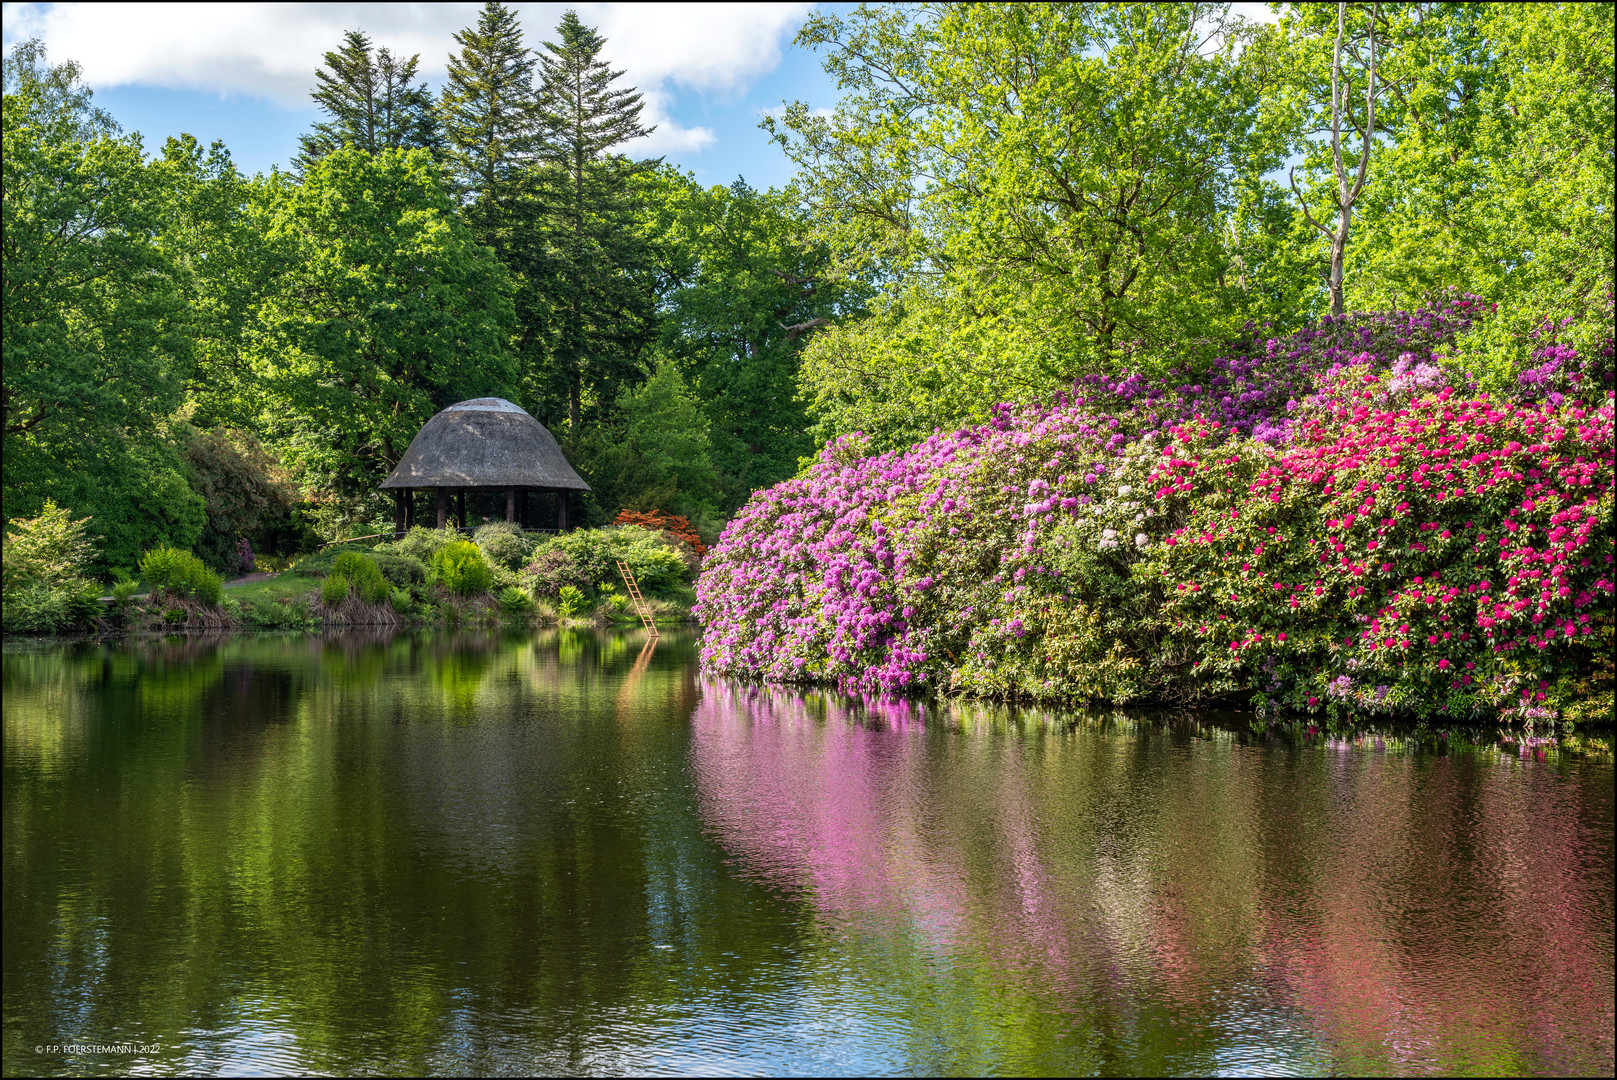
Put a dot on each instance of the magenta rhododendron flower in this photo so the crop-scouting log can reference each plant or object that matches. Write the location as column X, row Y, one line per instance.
column 1383, row 512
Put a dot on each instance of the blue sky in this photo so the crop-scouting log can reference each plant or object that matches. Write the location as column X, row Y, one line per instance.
column 241, row 73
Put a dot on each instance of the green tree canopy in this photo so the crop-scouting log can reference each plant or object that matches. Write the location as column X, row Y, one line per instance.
column 373, row 101
column 96, row 330
column 1038, row 189
column 656, row 455
column 745, row 286
column 386, row 310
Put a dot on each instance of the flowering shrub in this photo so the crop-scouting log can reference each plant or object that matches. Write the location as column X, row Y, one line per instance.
column 1372, row 546
column 1256, row 387
column 674, row 525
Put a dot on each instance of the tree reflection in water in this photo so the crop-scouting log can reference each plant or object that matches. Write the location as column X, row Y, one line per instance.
column 563, row 852
column 1381, row 912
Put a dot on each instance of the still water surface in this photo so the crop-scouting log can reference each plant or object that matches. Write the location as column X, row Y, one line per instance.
column 563, row 853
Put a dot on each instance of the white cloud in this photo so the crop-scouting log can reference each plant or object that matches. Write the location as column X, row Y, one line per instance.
column 271, row 50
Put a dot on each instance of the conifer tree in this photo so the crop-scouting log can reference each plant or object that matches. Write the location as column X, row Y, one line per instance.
column 489, row 112
column 374, row 103
column 601, row 312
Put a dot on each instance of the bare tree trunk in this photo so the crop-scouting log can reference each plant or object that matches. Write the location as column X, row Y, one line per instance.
column 1347, row 193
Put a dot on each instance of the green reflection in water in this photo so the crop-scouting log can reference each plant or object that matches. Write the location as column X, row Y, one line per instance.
column 565, row 853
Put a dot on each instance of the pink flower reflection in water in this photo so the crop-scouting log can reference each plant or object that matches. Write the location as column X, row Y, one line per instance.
column 1395, row 913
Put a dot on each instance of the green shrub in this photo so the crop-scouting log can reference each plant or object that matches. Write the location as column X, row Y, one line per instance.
column 503, row 544
column 46, row 587
column 569, row 602
column 334, row 589
column 400, row 600
column 361, row 570
column 515, row 603
column 550, row 569
column 399, row 569
column 123, row 593
column 588, row 558
column 419, row 543
column 181, row 573
column 460, row 568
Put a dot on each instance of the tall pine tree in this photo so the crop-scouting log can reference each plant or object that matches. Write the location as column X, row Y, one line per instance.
column 374, row 103
column 489, row 111
column 601, row 306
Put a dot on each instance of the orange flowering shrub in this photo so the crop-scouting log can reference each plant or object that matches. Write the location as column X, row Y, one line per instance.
column 674, row 525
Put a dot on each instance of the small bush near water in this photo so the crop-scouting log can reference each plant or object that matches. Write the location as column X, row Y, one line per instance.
column 460, row 568
column 514, row 603
column 569, row 602
column 45, row 561
column 180, row 574
column 362, row 570
column 1326, row 526
column 399, row 568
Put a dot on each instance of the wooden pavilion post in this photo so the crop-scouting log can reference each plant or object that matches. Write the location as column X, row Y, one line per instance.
column 409, row 508
column 398, row 510
column 460, row 508
column 510, row 504
column 443, row 507
column 561, row 511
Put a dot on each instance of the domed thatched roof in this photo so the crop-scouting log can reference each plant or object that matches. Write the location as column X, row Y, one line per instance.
column 484, row 442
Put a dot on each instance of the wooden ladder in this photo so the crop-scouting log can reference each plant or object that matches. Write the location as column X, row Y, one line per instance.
column 639, row 601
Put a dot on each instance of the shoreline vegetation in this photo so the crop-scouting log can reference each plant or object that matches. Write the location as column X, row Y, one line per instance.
column 427, row 577
column 1334, row 522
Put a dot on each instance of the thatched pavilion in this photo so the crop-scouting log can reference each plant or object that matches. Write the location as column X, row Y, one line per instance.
column 485, row 444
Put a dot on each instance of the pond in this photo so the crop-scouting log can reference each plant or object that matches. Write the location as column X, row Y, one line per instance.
column 571, row 853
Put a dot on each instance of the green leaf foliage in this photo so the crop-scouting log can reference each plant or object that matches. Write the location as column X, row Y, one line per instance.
column 45, row 567
column 96, row 329
column 362, row 572
column 386, row 311
column 241, row 493
column 1038, row 189
column 656, row 456
column 745, row 285
column 178, row 573
column 587, row 559
column 460, row 568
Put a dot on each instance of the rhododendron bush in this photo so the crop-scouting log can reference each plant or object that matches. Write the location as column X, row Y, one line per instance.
column 1375, row 540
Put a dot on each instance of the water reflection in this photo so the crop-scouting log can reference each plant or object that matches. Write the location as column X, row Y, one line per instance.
column 1189, row 904
column 481, row 853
